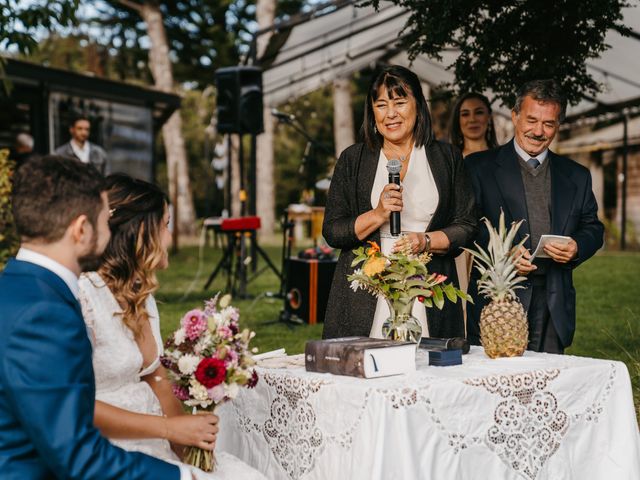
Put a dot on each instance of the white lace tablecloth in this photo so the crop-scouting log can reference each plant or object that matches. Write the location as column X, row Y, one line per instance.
column 536, row 417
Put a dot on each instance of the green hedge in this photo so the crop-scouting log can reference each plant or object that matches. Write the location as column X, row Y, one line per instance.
column 9, row 241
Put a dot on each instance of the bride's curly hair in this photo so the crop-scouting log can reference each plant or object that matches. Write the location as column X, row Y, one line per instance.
column 135, row 251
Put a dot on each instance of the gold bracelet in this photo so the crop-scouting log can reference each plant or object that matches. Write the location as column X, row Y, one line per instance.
column 166, row 427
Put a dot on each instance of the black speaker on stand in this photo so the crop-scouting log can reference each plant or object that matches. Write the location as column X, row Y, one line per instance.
column 239, row 107
column 239, row 111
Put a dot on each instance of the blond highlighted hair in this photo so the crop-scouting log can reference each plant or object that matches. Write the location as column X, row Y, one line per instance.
column 135, row 250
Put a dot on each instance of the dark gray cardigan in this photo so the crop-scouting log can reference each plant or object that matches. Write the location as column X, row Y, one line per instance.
column 351, row 313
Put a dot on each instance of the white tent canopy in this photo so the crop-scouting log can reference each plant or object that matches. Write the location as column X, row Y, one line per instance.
column 349, row 38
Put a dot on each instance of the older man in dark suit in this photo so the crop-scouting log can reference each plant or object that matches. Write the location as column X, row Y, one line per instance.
column 554, row 196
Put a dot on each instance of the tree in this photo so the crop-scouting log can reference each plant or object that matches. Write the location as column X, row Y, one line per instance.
column 265, row 182
column 504, row 44
column 162, row 71
column 20, row 23
column 188, row 40
column 343, row 131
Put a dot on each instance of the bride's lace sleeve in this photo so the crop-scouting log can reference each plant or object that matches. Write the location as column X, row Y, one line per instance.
column 88, row 308
column 154, row 320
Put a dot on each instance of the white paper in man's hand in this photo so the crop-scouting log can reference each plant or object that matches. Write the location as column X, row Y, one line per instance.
column 546, row 239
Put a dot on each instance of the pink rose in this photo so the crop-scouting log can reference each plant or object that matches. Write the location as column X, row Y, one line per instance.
column 194, row 323
column 216, row 393
column 225, row 332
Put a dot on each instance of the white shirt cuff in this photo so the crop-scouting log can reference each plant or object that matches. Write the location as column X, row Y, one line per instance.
column 185, row 472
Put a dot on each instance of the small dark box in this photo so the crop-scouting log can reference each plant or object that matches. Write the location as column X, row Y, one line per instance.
column 445, row 358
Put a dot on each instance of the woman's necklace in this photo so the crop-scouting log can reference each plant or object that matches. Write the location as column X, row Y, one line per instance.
column 392, row 153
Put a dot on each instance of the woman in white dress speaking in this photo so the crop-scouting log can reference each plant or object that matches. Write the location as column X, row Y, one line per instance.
column 135, row 405
column 435, row 200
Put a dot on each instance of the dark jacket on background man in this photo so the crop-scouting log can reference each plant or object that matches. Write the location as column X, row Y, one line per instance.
column 97, row 155
column 351, row 313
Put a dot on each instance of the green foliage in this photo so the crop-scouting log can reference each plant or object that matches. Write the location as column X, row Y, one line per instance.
column 197, row 109
column 607, row 312
column 20, row 21
column 203, row 34
column 9, row 241
column 400, row 278
column 314, row 112
column 79, row 52
column 504, row 44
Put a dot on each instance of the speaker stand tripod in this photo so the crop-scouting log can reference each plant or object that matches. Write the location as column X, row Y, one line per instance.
column 234, row 257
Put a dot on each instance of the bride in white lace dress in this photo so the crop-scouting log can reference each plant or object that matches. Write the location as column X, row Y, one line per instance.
column 135, row 405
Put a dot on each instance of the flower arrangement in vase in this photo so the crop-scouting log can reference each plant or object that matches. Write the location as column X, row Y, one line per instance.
column 401, row 278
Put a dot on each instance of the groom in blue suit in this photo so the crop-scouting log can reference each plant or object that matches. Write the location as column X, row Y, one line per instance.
column 553, row 194
column 47, row 392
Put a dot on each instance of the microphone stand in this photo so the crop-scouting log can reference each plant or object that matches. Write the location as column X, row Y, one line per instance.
column 285, row 316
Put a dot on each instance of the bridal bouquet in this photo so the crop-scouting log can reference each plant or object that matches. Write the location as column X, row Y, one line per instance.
column 209, row 359
column 400, row 278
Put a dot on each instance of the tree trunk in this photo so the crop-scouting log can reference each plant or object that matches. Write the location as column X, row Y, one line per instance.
column 234, row 182
column 162, row 72
column 343, row 133
column 265, row 168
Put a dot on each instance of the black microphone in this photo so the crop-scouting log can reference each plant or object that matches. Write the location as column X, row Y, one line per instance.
column 283, row 117
column 393, row 167
column 455, row 343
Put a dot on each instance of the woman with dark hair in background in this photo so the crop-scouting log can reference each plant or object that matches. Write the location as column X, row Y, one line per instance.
column 436, row 201
column 135, row 405
column 471, row 130
column 471, row 127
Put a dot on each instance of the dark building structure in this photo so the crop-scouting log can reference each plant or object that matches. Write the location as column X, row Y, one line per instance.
column 124, row 118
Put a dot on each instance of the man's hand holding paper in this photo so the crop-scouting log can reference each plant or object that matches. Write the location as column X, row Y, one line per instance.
column 562, row 252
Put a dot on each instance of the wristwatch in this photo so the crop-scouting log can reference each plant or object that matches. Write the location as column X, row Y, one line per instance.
column 427, row 245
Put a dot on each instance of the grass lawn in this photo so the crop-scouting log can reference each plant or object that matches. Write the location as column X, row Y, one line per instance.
column 608, row 298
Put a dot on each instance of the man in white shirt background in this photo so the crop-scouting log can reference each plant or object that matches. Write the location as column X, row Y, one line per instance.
column 81, row 148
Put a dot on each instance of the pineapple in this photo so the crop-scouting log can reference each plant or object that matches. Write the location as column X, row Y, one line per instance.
column 504, row 329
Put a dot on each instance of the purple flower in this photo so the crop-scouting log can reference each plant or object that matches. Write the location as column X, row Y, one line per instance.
column 232, row 358
column 166, row 362
column 194, row 323
column 253, row 381
column 181, row 393
column 210, row 306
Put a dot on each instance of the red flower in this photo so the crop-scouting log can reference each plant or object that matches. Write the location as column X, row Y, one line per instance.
column 253, row 381
column 211, row 372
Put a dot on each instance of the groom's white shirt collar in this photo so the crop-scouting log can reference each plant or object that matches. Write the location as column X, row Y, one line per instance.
column 67, row 276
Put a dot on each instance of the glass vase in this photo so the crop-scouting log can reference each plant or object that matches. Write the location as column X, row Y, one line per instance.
column 402, row 325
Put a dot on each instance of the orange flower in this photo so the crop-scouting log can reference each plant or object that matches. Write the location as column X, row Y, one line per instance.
column 373, row 249
column 373, row 266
